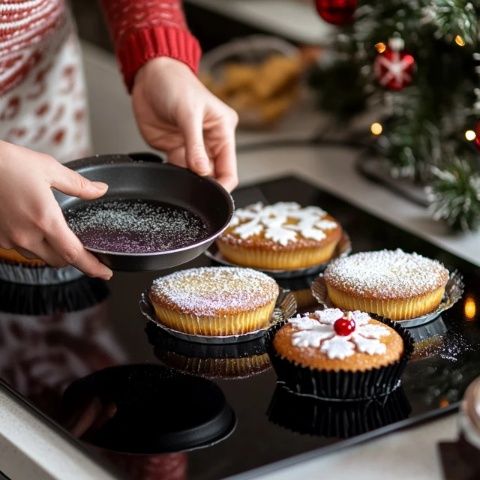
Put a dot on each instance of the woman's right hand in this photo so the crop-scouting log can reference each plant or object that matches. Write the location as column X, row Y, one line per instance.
column 31, row 220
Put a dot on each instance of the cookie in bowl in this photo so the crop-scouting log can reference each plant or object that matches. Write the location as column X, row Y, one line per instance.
column 281, row 236
column 337, row 354
column 390, row 283
column 214, row 301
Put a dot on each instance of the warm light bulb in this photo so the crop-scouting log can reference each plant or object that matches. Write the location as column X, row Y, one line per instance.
column 470, row 135
column 470, row 308
column 459, row 41
column 376, row 128
column 443, row 403
column 380, row 47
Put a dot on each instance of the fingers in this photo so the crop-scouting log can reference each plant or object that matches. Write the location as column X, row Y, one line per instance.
column 62, row 240
column 196, row 154
column 45, row 252
column 225, row 160
column 72, row 183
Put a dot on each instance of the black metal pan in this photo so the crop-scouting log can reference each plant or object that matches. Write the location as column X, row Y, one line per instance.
column 145, row 176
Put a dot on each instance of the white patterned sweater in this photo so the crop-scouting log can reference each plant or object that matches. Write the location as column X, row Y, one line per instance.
column 42, row 91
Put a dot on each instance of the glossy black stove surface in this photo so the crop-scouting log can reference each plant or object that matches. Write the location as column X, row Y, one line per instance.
column 242, row 422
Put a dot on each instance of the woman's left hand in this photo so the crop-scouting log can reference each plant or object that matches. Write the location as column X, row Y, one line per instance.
column 177, row 114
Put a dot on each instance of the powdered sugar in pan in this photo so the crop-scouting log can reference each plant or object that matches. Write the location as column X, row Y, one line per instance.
column 135, row 226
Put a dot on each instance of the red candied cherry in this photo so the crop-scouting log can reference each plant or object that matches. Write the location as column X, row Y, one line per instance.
column 344, row 326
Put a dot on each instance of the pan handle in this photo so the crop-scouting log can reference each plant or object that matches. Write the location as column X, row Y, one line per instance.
column 148, row 157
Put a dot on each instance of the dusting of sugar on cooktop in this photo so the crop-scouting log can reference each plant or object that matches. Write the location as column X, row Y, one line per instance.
column 135, row 226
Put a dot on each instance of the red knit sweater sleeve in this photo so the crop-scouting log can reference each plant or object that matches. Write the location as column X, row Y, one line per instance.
column 145, row 29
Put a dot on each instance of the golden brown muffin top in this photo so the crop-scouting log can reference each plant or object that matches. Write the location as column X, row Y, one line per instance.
column 281, row 226
column 211, row 291
column 312, row 341
column 388, row 274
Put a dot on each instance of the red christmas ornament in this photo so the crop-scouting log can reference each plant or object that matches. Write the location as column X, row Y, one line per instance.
column 337, row 12
column 394, row 67
column 476, row 129
column 344, row 326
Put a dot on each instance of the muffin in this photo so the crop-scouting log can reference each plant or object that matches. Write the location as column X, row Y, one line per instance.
column 335, row 354
column 282, row 236
column 12, row 256
column 390, row 283
column 214, row 300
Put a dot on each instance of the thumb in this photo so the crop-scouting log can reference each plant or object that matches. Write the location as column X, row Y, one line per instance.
column 72, row 183
column 197, row 158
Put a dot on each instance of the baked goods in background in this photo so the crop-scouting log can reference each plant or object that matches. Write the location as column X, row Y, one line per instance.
column 282, row 236
column 12, row 256
column 214, row 301
column 261, row 91
column 390, row 283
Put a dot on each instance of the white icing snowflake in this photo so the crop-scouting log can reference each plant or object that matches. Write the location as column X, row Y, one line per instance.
column 316, row 330
column 281, row 222
column 280, row 235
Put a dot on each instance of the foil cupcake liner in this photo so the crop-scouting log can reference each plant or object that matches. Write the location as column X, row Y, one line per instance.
column 26, row 275
column 311, row 416
column 45, row 300
column 301, row 289
column 453, row 293
column 344, row 247
column 285, row 308
column 340, row 385
column 226, row 362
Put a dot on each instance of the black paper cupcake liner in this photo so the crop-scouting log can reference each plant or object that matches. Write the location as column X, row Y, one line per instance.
column 341, row 385
column 45, row 300
column 229, row 361
column 27, row 275
column 311, row 416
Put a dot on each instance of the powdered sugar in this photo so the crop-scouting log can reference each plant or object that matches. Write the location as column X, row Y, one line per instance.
column 387, row 273
column 207, row 291
column 135, row 226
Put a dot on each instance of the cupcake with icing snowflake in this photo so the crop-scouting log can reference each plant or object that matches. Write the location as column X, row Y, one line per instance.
column 281, row 236
column 337, row 354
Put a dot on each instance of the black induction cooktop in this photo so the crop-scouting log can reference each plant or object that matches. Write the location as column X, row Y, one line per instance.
column 150, row 406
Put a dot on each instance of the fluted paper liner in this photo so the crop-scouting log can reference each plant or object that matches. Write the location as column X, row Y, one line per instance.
column 48, row 299
column 311, row 416
column 340, row 385
column 453, row 293
column 27, row 275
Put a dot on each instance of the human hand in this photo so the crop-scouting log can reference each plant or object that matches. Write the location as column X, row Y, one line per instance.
column 31, row 220
column 177, row 114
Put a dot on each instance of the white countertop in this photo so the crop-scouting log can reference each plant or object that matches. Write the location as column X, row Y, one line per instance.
column 296, row 20
column 408, row 454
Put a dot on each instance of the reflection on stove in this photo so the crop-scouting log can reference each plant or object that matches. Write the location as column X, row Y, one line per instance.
column 42, row 353
column 308, row 415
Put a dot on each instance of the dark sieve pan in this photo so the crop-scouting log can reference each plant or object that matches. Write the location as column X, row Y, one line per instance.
column 145, row 176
